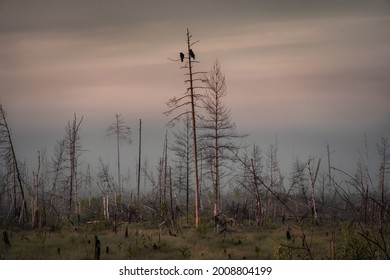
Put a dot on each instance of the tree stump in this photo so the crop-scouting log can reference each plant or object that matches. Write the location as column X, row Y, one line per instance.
column 6, row 239
column 288, row 235
column 97, row 248
column 127, row 232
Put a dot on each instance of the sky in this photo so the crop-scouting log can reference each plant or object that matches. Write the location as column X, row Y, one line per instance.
column 304, row 72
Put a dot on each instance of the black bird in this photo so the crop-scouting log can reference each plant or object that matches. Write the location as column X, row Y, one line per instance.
column 182, row 57
column 192, row 54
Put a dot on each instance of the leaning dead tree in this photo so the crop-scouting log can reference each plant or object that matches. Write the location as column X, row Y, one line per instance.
column 7, row 152
column 189, row 99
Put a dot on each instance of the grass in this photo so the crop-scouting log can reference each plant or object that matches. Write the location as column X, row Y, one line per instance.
column 146, row 242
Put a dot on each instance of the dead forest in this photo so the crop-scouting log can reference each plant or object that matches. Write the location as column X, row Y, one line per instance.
column 208, row 179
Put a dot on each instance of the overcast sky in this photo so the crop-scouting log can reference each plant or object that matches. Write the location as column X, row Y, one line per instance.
column 308, row 72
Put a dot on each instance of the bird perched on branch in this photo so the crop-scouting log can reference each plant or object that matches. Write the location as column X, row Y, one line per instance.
column 182, row 57
column 192, row 54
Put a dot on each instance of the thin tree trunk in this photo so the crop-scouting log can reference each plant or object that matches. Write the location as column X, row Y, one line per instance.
column 171, row 194
column 258, row 198
column 216, row 166
column 119, row 161
column 195, row 148
column 365, row 186
column 35, row 218
column 16, row 168
column 139, row 161
column 313, row 200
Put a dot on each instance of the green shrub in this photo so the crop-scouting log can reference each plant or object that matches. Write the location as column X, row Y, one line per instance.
column 355, row 246
column 186, row 253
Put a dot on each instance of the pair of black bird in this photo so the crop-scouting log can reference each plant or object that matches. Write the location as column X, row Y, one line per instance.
column 191, row 53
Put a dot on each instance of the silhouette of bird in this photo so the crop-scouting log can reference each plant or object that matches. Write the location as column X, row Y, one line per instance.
column 192, row 54
column 182, row 57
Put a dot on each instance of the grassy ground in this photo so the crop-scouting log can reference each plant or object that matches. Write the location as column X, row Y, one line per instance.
column 146, row 242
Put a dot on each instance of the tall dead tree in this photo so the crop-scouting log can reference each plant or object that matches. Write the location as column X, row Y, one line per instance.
column 312, row 184
column 365, row 182
column 189, row 99
column 139, row 160
column 35, row 208
column 275, row 179
column 7, row 151
column 218, row 131
column 123, row 134
column 384, row 156
column 73, row 148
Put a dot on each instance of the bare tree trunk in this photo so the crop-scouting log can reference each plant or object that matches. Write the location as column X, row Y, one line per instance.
column 385, row 160
column 171, row 195
column 195, row 147
column 72, row 138
column 139, row 161
column 165, row 168
column 312, row 183
column 365, row 182
column 35, row 217
column 216, row 168
column 187, row 179
column 258, row 198
column 118, row 155
column 8, row 139
column 122, row 133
